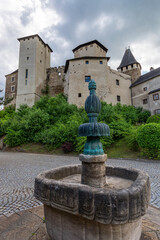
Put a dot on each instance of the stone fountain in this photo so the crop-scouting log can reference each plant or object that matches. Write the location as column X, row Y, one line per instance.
column 93, row 201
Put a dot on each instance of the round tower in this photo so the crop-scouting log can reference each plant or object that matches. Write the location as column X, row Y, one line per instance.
column 130, row 66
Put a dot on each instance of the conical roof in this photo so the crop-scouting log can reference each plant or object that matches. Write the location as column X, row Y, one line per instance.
column 127, row 59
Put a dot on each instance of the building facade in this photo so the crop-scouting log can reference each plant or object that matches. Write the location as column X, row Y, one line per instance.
column 90, row 62
column 34, row 59
column 11, row 87
column 125, row 85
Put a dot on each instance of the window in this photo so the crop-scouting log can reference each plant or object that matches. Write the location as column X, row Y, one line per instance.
column 131, row 65
column 87, row 62
column 156, row 97
column 145, row 101
column 59, row 74
column 26, row 82
column 87, row 78
column 86, row 48
column 12, row 88
column 26, row 73
column 27, row 58
column 121, row 68
column 12, row 79
column 118, row 98
column 79, row 94
column 100, row 62
column 117, row 82
column 157, row 111
column 40, row 61
column 145, row 89
column 127, row 67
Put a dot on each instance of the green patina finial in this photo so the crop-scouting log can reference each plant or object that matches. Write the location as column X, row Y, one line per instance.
column 93, row 130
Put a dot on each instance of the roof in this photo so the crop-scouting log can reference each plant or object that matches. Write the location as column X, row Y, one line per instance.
column 35, row 35
column 152, row 74
column 127, row 59
column 91, row 42
column 153, row 91
column 11, row 73
column 74, row 59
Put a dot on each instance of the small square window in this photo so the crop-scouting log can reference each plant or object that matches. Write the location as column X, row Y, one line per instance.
column 100, row 62
column 118, row 98
column 145, row 89
column 40, row 61
column 12, row 88
column 79, row 95
column 12, row 79
column 156, row 97
column 87, row 62
column 87, row 78
column 59, row 74
column 117, row 82
column 127, row 67
column 145, row 101
column 27, row 58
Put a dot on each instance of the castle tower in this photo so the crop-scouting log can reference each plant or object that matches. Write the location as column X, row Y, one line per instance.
column 130, row 66
column 34, row 59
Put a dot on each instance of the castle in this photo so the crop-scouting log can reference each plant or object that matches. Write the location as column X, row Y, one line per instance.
column 35, row 77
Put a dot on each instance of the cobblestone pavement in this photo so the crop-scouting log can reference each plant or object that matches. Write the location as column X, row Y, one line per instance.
column 18, row 171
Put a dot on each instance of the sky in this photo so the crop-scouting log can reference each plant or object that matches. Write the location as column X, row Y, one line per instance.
column 65, row 24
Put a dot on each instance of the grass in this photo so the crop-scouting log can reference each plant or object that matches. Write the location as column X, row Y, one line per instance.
column 120, row 149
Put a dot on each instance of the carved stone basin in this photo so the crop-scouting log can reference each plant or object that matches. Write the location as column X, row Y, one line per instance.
column 77, row 211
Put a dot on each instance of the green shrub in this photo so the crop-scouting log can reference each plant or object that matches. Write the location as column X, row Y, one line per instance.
column 131, row 140
column 148, row 138
column 143, row 116
column 154, row 119
column 120, row 129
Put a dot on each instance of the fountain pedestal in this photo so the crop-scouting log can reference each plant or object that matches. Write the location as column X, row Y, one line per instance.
column 92, row 201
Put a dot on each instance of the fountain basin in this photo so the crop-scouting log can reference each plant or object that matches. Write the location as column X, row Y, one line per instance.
column 111, row 211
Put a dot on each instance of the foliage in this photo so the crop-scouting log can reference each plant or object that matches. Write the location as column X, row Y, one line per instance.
column 54, row 123
column 131, row 140
column 148, row 138
column 154, row 119
column 67, row 147
column 143, row 116
column 120, row 128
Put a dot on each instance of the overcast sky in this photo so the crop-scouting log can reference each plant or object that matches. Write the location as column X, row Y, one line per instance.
column 64, row 24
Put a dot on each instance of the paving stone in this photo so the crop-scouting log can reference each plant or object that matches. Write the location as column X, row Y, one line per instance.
column 18, row 171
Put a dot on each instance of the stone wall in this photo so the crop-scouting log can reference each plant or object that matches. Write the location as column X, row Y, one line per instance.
column 55, row 80
column 11, row 86
column 90, row 50
column 105, row 78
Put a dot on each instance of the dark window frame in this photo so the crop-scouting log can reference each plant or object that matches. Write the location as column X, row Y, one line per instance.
column 118, row 98
column 87, row 78
column 117, row 82
column 145, row 101
column 155, row 96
